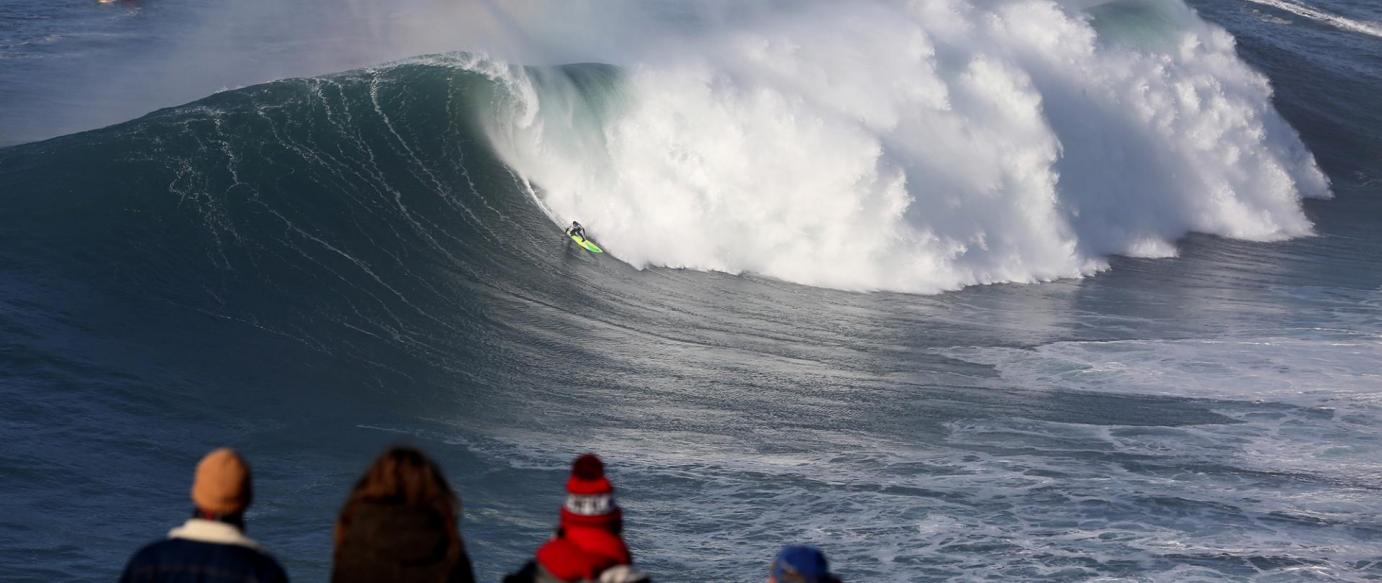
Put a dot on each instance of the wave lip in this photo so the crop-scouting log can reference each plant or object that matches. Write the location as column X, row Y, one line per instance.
column 921, row 146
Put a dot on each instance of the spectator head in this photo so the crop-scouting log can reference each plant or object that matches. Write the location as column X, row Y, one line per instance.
column 588, row 541
column 801, row 564
column 590, row 497
column 404, row 476
column 222, row 485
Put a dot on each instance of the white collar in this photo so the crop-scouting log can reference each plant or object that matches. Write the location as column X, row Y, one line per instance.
column 211, row 531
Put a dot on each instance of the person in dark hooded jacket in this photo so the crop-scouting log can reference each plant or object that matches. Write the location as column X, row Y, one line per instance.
column 399, row 525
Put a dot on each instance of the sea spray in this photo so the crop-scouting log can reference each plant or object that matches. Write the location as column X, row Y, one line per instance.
column 918, row 146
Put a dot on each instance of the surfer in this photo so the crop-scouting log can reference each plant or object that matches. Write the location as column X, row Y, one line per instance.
column 577, row 234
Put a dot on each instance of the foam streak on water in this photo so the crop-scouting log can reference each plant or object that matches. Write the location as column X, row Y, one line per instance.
column 1340, row 22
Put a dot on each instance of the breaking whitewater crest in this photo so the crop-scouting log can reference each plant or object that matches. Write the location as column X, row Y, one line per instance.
column 921, row 146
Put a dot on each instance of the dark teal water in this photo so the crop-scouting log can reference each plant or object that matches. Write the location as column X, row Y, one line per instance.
column 311, row 269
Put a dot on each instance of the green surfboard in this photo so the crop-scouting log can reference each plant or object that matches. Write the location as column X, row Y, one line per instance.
column 587, row 244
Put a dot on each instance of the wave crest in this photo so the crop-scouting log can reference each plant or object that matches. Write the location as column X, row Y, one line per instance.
column 919, row 146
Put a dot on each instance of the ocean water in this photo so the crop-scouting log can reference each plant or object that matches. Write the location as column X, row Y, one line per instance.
column 956, row 290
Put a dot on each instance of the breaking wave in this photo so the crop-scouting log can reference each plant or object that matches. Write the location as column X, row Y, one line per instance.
column 916, row 146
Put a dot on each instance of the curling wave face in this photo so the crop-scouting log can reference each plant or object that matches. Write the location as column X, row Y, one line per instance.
column 916, row 146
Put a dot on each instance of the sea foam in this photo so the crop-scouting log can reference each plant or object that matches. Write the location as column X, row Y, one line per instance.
column 917, row 146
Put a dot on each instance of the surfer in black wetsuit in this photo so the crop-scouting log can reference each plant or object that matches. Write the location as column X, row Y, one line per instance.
column 576, row 230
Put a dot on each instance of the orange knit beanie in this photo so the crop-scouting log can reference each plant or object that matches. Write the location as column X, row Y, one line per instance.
column 222, row 485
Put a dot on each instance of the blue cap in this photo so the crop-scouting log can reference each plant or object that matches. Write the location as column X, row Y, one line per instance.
column 801, row 563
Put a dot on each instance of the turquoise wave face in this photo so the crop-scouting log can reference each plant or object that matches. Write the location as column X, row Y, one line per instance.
column 302, row 204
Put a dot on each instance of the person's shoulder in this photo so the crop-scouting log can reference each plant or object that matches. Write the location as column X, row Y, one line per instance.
column 269, row 568
column 144, row 556
column 153, row 550
column 180, row 551
column 266, row 568
column 527, row 574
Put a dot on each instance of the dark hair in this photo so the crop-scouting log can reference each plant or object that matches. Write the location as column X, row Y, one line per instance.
column 405, row 476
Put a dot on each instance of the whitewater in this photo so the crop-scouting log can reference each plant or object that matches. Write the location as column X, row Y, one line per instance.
column 920, row 146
